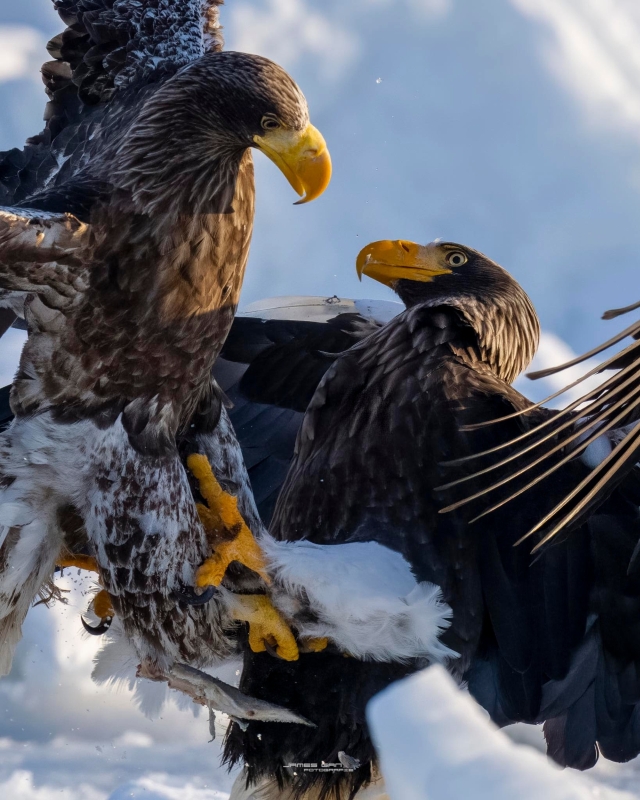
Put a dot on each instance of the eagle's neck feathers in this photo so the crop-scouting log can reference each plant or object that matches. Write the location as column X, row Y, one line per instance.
column 507, row 331
column 174, row 172
column 494, row 305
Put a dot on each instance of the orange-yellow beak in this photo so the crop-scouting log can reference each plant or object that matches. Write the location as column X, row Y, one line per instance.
column 302, row 157
column 388, row 261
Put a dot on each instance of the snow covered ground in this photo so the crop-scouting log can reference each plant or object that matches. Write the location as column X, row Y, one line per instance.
column 63, row 738
column 436, row 743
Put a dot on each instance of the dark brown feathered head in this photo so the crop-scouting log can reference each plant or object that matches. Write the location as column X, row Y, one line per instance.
column 446, row 273
column 184, row 147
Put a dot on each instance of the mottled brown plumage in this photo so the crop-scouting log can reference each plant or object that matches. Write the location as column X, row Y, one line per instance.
column 115, row 350
column 132, row 255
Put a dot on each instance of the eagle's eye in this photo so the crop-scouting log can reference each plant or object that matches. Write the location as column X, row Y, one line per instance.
column 269, row 122
column 456, row 259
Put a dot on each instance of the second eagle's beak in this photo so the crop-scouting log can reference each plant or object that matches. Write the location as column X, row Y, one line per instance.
column 301, row 156
column 388, row 261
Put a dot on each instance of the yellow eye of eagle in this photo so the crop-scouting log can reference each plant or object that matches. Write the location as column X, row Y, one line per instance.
column 456, row 259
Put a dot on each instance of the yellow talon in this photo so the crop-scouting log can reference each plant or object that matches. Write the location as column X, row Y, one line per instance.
column 78, row 560
column 265, row 623
column 102, row 605
column 243, row 548
column 222, row 514
column 101, row 602
column 316, row 645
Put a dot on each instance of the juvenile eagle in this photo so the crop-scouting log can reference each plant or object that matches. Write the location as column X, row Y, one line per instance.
column 129, row 230
column 550, row 639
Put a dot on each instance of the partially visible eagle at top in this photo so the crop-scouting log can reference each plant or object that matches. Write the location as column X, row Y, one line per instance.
column 128, row 233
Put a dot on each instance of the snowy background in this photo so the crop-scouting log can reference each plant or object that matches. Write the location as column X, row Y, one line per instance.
column 510, row 125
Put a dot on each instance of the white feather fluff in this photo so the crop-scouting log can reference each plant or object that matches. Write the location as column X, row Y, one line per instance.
column 116, row 663
column 365, row 596
column 39, row 464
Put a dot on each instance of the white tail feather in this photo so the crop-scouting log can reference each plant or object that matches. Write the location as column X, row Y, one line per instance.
column 365, row 598
column 115, row 664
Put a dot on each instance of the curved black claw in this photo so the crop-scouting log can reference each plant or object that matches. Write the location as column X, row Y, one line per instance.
column 272, row 650
column 100, row 629
column 190, row 598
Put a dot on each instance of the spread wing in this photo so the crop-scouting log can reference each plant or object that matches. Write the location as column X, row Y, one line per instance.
column 600, row 427
column 288, row 358
column 109, row 54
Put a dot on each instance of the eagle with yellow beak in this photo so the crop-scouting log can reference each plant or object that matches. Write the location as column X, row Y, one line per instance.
column 124, row 243
column 379, row 453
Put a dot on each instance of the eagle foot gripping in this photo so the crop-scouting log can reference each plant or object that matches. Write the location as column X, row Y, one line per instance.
column 268, row 632
column 219, row 515
column 78, row 560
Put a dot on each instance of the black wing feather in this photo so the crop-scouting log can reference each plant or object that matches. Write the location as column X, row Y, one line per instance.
column 269, row 370
column 288, row 358
column 611, row 408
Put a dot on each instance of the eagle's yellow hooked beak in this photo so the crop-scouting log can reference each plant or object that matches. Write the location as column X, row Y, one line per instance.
column 388, row 261
column 302, row 157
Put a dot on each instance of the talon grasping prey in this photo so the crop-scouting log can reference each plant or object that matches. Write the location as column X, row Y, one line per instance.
column 266, row 625
column 219, row 515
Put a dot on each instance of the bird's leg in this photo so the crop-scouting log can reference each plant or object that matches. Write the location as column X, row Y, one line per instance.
column 102, row 606
column 221, row 515
column 267, row 628
column 77, row 560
